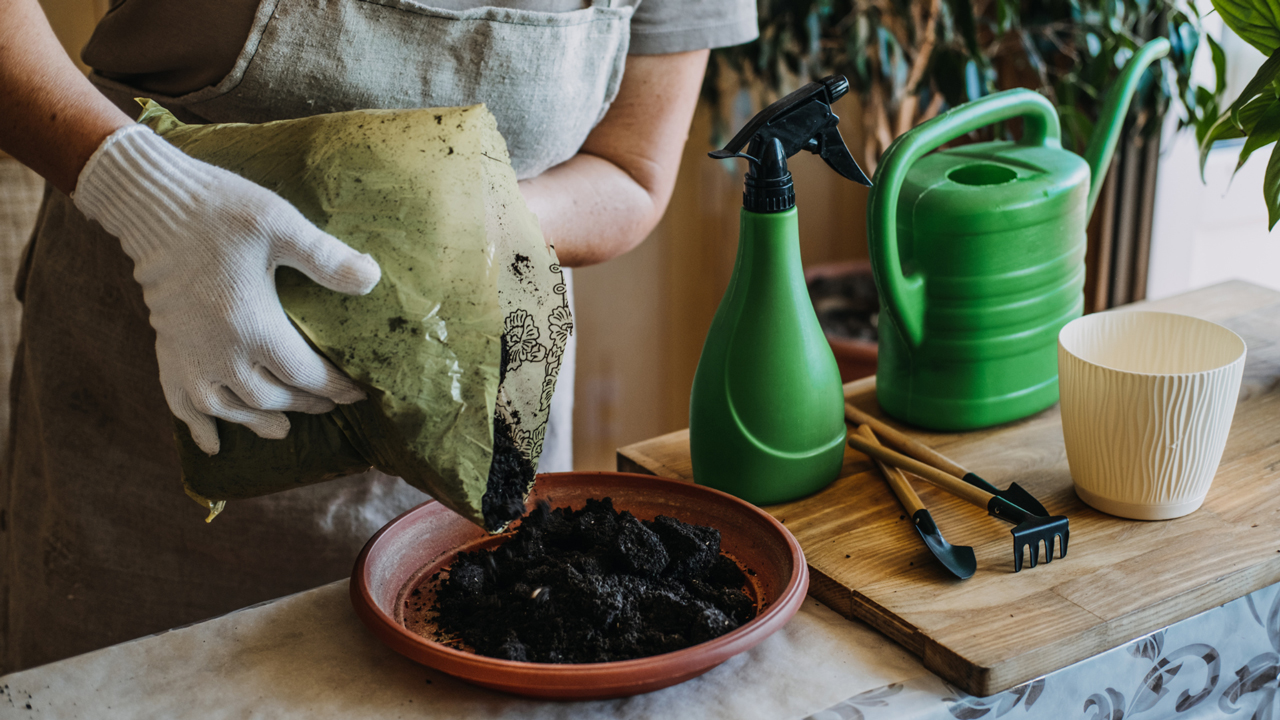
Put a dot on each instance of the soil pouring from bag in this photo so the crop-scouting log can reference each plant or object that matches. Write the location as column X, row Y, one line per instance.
column 510, row 473
column 586, row 586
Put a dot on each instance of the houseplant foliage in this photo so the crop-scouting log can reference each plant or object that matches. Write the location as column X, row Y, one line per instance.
column 911, row 59
column 1255, row 114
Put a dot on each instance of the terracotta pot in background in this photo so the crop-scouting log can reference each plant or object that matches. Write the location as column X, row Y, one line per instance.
column 856, row 357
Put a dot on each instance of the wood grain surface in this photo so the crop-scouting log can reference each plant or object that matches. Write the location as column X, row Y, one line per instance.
column 1120, row 579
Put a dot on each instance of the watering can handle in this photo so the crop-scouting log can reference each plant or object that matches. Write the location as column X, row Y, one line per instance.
column 903, row 296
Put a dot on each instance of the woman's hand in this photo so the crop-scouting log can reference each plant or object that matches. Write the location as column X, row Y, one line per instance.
column 205, row 245
column 606, row 199
column 205, row 242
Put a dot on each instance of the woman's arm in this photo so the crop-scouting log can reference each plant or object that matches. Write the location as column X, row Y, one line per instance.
column 51, row 118
column 606, row 199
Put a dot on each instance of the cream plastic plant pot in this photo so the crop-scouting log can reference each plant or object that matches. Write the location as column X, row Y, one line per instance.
column 1147, row 402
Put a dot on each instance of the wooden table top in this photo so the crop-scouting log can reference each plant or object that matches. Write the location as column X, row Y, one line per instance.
column 1121, row 578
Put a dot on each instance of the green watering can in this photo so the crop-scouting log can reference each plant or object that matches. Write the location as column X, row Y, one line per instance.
column 978, row 255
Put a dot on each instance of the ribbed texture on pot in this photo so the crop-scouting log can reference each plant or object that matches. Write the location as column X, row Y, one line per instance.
column 1147, row 401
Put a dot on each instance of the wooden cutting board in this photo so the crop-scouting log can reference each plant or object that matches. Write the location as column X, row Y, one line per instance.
column 1121, row 579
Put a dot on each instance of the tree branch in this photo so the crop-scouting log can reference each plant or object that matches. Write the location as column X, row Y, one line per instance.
column 927, row 30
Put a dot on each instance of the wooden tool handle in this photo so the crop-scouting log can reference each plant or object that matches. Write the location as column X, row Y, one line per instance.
column 930, row 474
column 904, row 443
column 892, row 475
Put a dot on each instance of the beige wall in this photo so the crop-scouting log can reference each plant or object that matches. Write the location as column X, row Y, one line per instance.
column 642, row 318
column 73, row 22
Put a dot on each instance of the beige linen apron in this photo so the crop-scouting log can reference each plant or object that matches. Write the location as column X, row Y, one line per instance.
column 97, row 540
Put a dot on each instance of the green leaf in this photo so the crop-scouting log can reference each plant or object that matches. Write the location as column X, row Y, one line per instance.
column 1033, row 57
column 1264, row 132
column 1092, row 43
column 1253, row 20
column 1269, row 71
column 964, row 23
column 949, row 75
column 972, row 80
column 1077, row 123
column 1184, row 38
column 1203, row 108
column 1271, row 188
column 1219, row 63
column 1222, row 129
column 1254, row 109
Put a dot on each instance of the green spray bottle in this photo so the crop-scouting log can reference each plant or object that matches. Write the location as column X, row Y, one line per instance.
column 766, row 417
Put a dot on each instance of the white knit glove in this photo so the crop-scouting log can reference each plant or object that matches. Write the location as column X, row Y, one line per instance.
column 205, row 245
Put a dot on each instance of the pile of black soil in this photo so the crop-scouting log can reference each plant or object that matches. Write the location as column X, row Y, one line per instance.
column 847, row 305
column 592, row 585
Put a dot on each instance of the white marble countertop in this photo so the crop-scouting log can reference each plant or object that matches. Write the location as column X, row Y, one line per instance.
column 308, row 656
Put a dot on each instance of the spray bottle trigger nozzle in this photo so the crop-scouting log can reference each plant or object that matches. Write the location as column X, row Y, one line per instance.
column 726, row 155
column 829, row 145
column 802, row 120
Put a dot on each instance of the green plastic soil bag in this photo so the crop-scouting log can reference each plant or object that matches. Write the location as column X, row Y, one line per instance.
column 458, row 346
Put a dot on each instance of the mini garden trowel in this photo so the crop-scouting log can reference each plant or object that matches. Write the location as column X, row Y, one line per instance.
column 958, row 559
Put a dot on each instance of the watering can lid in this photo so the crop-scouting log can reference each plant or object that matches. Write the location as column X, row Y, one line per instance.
column 975, row 188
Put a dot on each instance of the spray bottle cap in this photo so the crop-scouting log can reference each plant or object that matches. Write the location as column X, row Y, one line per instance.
column 800, row 121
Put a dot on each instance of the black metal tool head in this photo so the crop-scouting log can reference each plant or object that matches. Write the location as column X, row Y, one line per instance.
column 1023, row 499
column 1031, row 530
column 1030, row 533
column 1015, row 494
column 959, row 559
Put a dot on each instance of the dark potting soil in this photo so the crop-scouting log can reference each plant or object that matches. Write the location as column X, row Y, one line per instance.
column 510, row 472
column 592, row 585
column 847, row 305
column 510, row 476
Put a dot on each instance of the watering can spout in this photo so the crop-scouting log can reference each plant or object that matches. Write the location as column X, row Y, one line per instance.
column 1106, row 133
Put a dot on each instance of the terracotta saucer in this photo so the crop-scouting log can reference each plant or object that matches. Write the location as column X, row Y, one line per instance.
column 427, row 538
